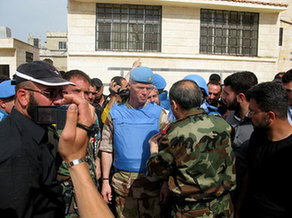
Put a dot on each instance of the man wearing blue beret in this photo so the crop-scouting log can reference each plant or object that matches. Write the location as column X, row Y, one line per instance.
column 7, row 96
column 125, row 136
column 160, row 83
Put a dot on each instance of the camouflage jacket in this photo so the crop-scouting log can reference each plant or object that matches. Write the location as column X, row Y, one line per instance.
column 63, row 175
column 197, row 157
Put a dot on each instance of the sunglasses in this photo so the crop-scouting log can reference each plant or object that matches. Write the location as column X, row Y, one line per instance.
column 52, row 94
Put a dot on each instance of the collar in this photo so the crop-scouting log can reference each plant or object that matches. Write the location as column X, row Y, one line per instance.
column 28, row 127
column 128, row 105
column 3, row 112
column 193, row 111
column 236, row 116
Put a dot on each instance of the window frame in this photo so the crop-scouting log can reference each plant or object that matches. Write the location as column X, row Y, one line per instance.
column 62, row 47
column 121, row 21
column 239, row 36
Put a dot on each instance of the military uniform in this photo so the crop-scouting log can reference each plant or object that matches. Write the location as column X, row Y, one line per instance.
column 197, row 157
column 133, row 189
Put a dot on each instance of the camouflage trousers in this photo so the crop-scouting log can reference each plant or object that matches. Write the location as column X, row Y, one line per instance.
column 137, row 195
column 220, row 207
column 129, row 207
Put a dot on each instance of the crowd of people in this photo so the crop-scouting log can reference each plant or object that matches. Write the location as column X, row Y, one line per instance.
column 204, row 149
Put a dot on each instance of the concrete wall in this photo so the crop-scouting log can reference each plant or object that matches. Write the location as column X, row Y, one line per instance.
column 179, row 54
column 13, row 53
column 285, row 51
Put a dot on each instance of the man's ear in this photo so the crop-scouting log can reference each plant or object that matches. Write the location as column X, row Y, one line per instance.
column 240, row 98
column 2, row 104
column 175, row 105
column 23, row 97
column 271, row 116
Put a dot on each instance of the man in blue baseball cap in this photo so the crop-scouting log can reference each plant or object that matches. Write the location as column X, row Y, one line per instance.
column 7, row 97
column 125, row 136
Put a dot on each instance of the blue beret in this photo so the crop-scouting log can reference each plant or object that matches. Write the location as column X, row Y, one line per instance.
column 6, row 89
column 200, row 82
column 158, row 81
column 142, row 75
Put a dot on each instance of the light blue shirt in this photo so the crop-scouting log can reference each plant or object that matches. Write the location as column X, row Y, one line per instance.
column 3, row 114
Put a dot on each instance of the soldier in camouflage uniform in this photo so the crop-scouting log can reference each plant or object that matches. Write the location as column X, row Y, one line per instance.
column 82, row 82
column 125, row 137
column 71, row 209
column 196, row 157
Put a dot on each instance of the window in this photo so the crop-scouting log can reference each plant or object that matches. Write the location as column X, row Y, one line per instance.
column 128, row 27
column 62, row 46
column 28, row 57
column 281, row 36
column 229, row 32
column 36, row 42
column 4, row 70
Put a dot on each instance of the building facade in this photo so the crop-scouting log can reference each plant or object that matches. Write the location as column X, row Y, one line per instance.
column 56, row 50
column 13, row 53
column 174, row 37
column 285, row 42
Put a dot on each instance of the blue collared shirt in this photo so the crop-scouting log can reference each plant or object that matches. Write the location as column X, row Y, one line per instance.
column 3, row 114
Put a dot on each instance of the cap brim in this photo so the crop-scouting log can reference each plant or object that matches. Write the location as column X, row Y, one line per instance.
column 51, row 81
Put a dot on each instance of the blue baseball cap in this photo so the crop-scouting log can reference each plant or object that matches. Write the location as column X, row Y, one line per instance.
column 158, row 81
column 200, row 82
column 6, row 89
column 142, row 75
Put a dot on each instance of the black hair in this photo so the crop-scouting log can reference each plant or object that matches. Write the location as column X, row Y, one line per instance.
column 270, row 96
column 240, row 82
column 118, row 80
column 186, row 93
column 287, row 77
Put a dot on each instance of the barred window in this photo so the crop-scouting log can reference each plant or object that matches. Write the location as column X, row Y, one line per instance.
column 62, row 45
column 28, row 57
column 229, row 32
column 128, row 27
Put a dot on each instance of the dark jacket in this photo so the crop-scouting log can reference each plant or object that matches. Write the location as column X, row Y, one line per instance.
column 28, row 186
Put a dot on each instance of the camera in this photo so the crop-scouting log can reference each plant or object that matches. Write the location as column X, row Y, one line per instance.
column 48, row 115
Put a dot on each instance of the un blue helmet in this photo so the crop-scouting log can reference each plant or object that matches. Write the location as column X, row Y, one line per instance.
column 200, row 82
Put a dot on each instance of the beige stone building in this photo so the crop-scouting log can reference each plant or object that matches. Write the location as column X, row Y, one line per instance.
column 285, row 40
column 174, row 37
column 56, row 50
column 14, row 52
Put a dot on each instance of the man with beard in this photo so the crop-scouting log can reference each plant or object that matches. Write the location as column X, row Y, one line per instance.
column 28, row 166
column 235, row 88
column 269, row 155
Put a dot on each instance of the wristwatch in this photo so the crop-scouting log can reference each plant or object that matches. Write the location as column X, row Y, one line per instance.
column 91, row 130
column 75, row 162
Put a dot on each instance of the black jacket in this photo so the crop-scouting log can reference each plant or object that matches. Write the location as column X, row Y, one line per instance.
column 28, row 186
